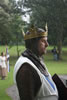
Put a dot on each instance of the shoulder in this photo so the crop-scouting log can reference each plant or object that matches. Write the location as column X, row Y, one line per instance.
column 24, row 63
column 28, row 80
column 26, row 68
column 28, row 72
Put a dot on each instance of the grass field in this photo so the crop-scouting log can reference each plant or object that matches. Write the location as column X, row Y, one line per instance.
column 4, row 84
column 59, row 67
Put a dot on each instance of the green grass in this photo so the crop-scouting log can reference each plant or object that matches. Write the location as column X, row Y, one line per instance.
column 12, row 50
column 59, row 67
column 4, row 84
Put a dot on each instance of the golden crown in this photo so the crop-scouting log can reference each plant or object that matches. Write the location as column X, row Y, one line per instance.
column 33, row 33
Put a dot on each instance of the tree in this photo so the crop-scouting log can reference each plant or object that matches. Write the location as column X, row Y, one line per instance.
column 10, row 23
column 16, row 24
column 10, row 18
column 57, row 14
column 4, row 22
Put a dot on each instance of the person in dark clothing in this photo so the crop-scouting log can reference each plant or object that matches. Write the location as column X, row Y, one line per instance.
column 54, row 51
column 31, row 76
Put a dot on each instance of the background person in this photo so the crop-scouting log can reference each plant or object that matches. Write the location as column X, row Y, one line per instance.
column 8, row 65
column 54, row 51
column 8, row 57
column 33, row 80
column 3, row 66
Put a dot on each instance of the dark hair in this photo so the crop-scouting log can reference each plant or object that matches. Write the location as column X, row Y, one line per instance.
column 32, row 44
column 1, row 53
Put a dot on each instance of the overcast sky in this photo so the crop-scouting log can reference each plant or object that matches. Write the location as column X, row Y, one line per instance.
column 26, row 17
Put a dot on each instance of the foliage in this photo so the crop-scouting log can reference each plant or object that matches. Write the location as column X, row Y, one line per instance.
column 11, row 22
column 56, row 11
column 4, row 22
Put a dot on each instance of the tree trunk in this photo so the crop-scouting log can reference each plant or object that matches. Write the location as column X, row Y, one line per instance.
column 59, row 49
column 59, row 43
column 17, row 47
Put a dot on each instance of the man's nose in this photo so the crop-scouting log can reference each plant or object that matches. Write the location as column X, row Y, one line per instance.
column 47, row 44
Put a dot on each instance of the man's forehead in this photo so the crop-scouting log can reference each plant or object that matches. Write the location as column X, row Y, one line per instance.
column 45, row 38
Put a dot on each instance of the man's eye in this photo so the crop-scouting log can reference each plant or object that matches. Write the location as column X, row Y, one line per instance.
column 43, row 41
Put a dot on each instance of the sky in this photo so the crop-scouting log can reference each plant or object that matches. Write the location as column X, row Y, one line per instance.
column 26, row 17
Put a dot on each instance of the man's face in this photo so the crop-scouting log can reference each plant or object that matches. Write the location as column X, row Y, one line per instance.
column 42, row 44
